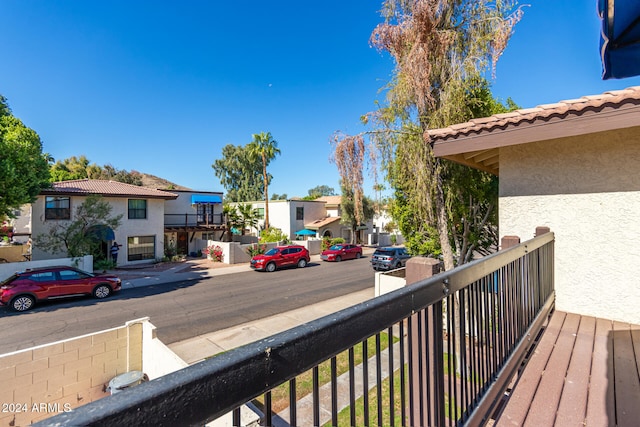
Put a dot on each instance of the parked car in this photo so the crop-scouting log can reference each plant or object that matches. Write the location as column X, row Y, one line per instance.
column 341, row 251
column 389, row 258
column 23, row 289
column 281, row 256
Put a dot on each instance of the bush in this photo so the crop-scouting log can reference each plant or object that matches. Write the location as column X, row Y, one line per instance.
column 214, row 252
column 103, row 264
column 327, row 243
column 256, row 249
column 273, row 234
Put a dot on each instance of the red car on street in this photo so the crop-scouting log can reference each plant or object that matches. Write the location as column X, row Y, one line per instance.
column 341, row 251
column 23, row 289
column 281, row 256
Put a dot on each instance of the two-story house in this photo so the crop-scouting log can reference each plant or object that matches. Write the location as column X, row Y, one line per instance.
column 141, row 232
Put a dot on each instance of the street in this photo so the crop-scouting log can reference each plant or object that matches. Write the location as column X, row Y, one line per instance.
column 182, row 310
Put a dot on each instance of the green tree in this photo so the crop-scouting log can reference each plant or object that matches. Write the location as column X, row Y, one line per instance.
column 73, row 237
column 24, row 168
column 441, row 52
column 276, row 196
column 348, row 212
column 265, row 148
column 240, row 174
column 320, row 191
column 70, row 168
column 81, row 168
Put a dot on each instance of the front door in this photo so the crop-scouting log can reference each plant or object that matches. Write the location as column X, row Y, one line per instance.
column 182, row 247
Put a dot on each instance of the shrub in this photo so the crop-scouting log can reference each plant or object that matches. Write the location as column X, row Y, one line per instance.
column 273, row 234
column 214, row 252
column 103, row 264
column 256, row 249
column 327, row 243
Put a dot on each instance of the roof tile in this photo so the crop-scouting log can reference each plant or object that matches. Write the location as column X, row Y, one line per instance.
column 614, row 98
column 106, row 188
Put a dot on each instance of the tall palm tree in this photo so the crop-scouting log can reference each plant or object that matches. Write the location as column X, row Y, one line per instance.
column 265, row 147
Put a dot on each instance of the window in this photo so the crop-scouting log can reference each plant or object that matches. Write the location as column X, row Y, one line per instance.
column 71, row 275
column 45, row 276
column 209, row 236
column 137, row 209
column 57, row 207
column 299, row 214
column 260, row 213
column 141, row 247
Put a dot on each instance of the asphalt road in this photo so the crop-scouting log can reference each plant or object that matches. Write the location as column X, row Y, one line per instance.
column 186, row 309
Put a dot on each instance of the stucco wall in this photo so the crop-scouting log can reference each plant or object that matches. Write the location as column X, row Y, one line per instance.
column 587, row 191
column 153, row 225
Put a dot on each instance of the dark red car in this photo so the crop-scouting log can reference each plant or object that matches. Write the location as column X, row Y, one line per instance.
column 281, row 256
column 341, row 251
column 23, row 289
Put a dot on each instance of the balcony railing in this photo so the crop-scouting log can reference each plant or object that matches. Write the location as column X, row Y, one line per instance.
column 192, row 220
column 438, row 352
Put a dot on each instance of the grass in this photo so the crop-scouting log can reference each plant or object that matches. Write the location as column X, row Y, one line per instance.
column 304, row 382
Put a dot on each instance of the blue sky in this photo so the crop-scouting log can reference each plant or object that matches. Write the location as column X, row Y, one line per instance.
column 160, row 87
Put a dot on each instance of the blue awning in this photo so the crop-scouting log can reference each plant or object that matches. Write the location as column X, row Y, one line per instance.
column 619, row 38
column 199, row 199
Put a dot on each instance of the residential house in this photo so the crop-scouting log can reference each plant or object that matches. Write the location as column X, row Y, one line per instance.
column 322, row 216
column 141, row 232
column 191, row 216
column 573, row 167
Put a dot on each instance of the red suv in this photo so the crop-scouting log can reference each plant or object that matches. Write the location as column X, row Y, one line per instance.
column 281, row 256
column 23, row 289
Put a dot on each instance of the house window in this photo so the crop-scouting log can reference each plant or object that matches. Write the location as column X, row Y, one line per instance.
column 205, row 213
column 260, row 213
column 299, row 214
column 137, row 209
column 209, row 236
column 57, row 208
column 141, row 247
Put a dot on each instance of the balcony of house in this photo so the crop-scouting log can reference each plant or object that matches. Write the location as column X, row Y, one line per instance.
column 178, row 222
column 455, row 348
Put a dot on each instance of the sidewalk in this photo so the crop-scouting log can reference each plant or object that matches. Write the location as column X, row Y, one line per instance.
column 195, row 349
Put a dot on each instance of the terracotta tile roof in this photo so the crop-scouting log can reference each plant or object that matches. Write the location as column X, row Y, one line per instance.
column 330, row 200
column 477, row 143
column 105, row 188
column 319, row 223
column 612, row 99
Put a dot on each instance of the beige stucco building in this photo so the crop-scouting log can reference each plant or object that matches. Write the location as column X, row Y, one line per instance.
column 573, row 167
column 141, row 232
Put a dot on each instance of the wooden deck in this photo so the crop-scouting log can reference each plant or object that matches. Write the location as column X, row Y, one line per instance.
column 584, row 371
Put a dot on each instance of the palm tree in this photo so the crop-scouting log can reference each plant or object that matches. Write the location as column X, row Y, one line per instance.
column 265, row 147
column 248, row 216
column 230, row 215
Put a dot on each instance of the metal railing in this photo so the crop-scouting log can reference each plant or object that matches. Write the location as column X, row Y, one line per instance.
column 192, row 220
column 438, row 352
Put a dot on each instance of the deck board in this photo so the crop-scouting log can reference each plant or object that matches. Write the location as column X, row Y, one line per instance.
column 584, row 371
column 544, row 405
column 627, row 387
column 572, row 409
column 519, row 402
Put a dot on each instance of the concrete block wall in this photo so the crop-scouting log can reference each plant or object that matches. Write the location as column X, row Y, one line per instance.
column 39, row 382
